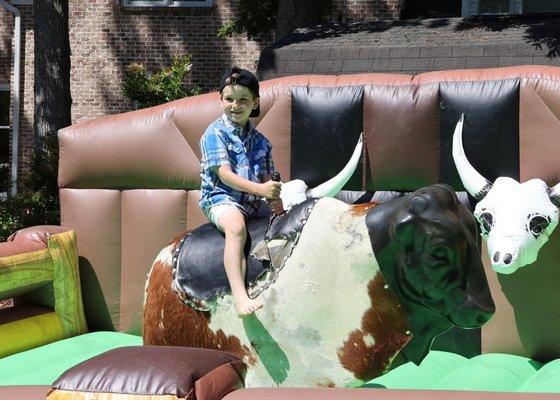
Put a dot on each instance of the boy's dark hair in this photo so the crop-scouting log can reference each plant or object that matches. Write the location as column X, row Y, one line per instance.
column 240, row 76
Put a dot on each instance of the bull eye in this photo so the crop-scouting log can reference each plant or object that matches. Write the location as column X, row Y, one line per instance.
column 486, row 221
column 538, row 224
column 439, row 254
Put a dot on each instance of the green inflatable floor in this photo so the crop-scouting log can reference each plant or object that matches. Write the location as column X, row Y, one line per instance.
column 43, row 365
column 487, row 372
column 439, row 370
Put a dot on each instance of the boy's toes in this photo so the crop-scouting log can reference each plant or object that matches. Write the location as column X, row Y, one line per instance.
column 248, row 307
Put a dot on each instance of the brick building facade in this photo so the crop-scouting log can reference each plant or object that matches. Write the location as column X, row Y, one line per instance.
column 106, row 36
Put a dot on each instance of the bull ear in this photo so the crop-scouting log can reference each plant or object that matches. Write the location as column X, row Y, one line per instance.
column 404, row 227
column 417, row 205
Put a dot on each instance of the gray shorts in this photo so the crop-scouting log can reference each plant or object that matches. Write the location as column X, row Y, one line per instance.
column 215, row 212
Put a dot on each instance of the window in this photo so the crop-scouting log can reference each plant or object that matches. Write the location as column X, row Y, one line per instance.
column 4, row 124
column 537, row 6
column 167, row 3
column 494, row 7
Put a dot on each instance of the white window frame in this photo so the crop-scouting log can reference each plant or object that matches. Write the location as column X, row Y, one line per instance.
column 472, row 7
column 167, row 3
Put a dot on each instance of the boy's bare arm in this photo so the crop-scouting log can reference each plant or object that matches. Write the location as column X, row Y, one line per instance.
column 269, row 189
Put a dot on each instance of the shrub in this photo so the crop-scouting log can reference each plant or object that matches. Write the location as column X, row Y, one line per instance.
column 5, row 178
column 147, row 90
column 37, row 200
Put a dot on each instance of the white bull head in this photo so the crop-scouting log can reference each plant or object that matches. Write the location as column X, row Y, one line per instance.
column 516, row 219
column 296, row 191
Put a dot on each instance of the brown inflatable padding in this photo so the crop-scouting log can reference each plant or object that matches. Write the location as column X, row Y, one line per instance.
column 526, row 321
column 148, row 151
column 24, row 392
column 499, row 335
column 195, row 216
column 29, row 239
column 95, row 216
column 402, row 121
column 337, row 80
column 276, row 126
column 539, row 130
column 489, row 74
column 379, row 394
column 192, row 116
column 150, row 220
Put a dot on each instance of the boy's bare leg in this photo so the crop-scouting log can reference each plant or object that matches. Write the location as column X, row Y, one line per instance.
column 232, row 223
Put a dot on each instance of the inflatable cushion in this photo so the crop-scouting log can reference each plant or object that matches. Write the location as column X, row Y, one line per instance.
column 152, row 372
column 486, row 372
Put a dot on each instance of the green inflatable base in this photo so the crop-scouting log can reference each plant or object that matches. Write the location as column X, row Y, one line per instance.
column 439, row 370
column 486, row 372
column 43, row 365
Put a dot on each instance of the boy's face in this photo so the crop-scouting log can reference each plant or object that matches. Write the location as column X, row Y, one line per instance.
column 238, row 102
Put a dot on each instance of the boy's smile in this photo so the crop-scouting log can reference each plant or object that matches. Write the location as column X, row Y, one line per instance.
column 238, row 102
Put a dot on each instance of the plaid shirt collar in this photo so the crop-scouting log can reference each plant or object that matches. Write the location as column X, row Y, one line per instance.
column 237, row 130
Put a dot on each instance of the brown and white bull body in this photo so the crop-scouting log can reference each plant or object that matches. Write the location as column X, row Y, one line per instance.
column 312, row 323
column 334, row 316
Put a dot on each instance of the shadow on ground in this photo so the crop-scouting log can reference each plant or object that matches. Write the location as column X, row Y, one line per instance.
column 539, row 31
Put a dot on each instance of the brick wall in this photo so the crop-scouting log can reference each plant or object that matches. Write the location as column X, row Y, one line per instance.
column 6, row 32
column 364, row 10
column 105, row 37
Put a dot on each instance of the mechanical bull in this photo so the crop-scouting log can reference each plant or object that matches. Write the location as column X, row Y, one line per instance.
column 516, row 219
column 348, row 289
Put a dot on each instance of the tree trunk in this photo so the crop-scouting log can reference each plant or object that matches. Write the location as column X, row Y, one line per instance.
column 53, row 100
column 294, row 14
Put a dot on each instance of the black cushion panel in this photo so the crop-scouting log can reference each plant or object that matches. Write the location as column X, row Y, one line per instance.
column 490, row 131
column 326, row 124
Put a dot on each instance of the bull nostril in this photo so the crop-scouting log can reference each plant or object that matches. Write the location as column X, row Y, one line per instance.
column 507, row 258
column 496, row 256
column 481, row 319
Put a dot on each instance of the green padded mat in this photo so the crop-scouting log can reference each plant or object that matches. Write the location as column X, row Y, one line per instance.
column 43, row 365
column 486, row 372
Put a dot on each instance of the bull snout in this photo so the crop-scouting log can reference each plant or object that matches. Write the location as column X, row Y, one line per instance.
column 475, row 312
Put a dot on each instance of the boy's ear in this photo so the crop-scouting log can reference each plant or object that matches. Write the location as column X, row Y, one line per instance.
column 257, row 101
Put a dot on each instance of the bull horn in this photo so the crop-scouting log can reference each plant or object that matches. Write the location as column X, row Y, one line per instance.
column 554, row 194
column 333, row 185
column 477, row 185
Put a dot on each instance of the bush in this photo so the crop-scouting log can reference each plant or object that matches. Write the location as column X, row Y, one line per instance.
column 147, row 90
column 37, row 200
column 5, row 178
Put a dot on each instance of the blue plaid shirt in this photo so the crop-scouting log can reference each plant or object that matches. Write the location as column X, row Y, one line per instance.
column 248, row 154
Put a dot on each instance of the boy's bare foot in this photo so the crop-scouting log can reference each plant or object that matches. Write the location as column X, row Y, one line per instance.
column 246, row 306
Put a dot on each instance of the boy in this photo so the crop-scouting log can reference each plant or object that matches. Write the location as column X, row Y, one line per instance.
column 236, row 173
